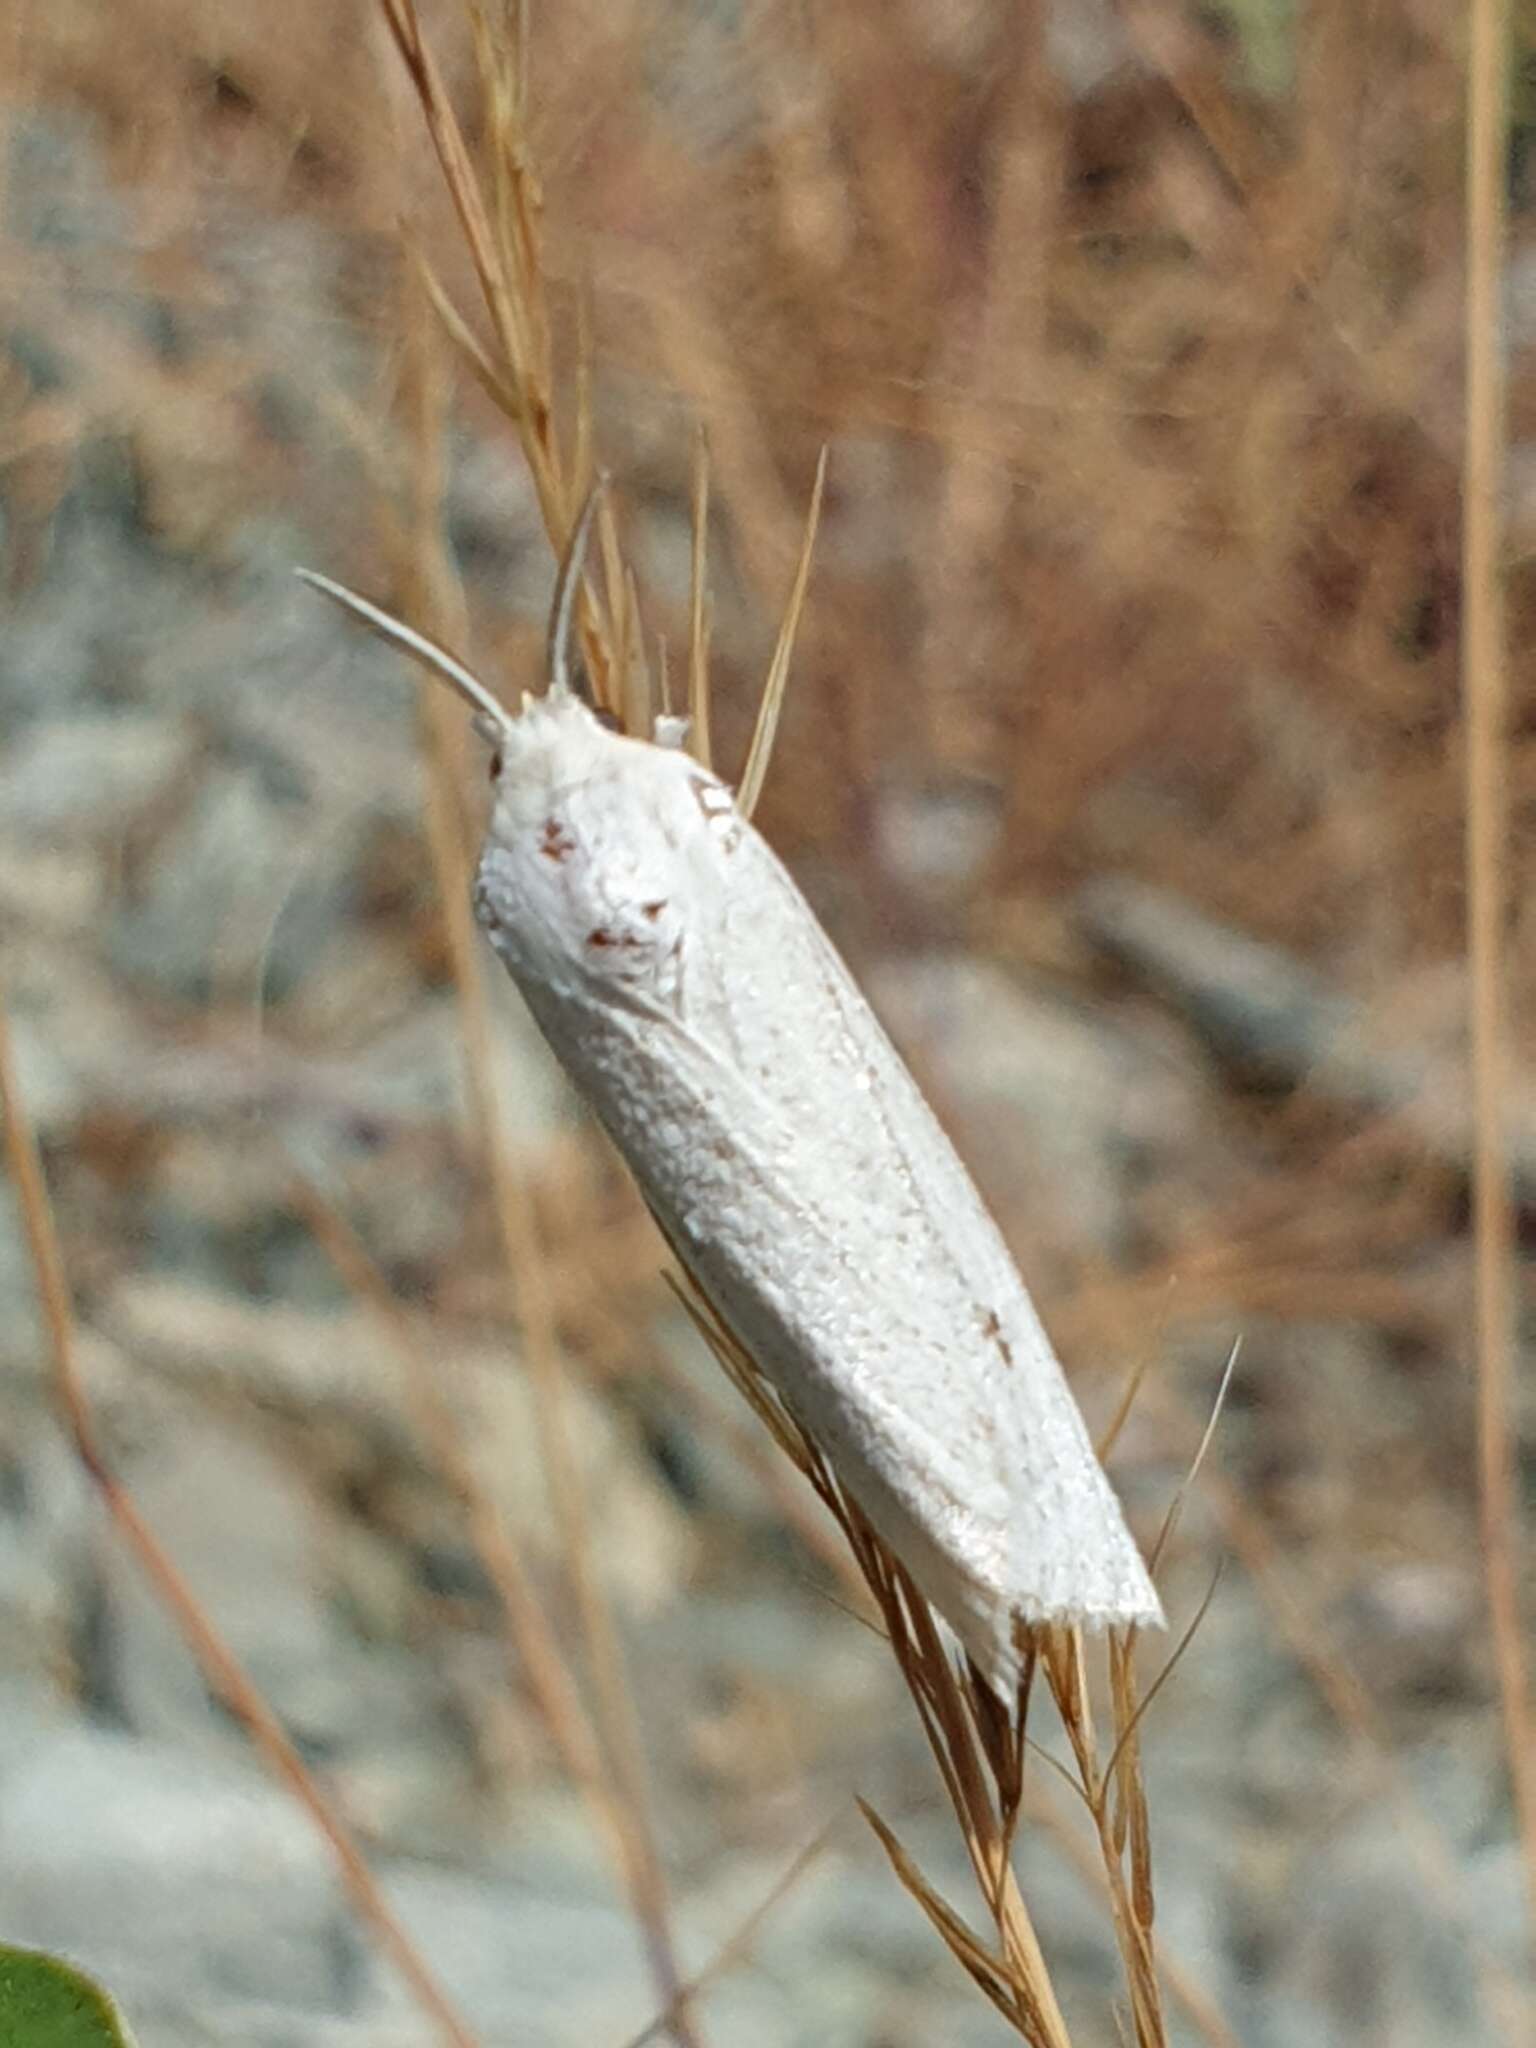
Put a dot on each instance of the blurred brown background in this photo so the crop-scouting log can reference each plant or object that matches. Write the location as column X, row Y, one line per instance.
column 1124, row 757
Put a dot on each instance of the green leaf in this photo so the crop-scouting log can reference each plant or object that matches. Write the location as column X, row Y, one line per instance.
column 45, row 2003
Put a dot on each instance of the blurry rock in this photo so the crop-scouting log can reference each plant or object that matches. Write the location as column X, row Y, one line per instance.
column 763, row 1640
column 306, row 1366
column 1086, row 43
column 81, row 634
column 864, row 526
column 215, row 888
column 280, row 1356
column 1370, row 1957
column 1496, row 1902
column 298, row 690
column 495, row 526
column 1413, row 1626
column 1520, row 299
column 20, row 1325
column 70, row 1027
column 525, row 1965
column 277, row 283
column 88, row 777
column 47, row 1521
column 87, row 1049
column 1254, row 1005
column 57, row 194
column 158, row 1868
column 1060, row 1112
column 935, row 838
column 641, row 1539
column 55, row 890
column 252, row 1539
column 1278, row 1024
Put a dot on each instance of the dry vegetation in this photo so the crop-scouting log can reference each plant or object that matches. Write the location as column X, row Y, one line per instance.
column 1142, row 530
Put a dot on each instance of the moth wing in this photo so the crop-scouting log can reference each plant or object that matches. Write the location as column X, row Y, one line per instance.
column 985, row 1410
column 805, row 1183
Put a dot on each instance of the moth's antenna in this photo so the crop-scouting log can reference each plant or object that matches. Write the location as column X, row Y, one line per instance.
column 415, row 644
column 557, row 658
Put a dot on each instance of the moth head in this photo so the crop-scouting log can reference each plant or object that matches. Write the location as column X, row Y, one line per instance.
column 589, row 830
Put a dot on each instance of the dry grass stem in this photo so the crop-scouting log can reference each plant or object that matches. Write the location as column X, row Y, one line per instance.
column 534, row 1652
column 1485, row 702
column 504, row 245
column 624, row 1775
column 771, row 701
column 698, row 604
column 979, row 1745
column 740, row 1943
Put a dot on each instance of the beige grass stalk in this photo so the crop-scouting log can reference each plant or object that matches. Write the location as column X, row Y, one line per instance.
column 980, row 1745
column 499, row 216
column 536, row 1658
column 1485, row 713
column 621, row 1782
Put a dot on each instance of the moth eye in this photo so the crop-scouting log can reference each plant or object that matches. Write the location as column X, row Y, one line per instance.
column 496, row 765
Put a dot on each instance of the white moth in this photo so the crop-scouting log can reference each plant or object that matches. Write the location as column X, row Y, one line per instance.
column 686, row 986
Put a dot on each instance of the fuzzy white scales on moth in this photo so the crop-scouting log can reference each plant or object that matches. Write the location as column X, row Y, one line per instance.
column 790, row 1159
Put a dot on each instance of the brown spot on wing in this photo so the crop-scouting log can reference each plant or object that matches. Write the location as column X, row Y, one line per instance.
column 554, row 841
column 992, row 1327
